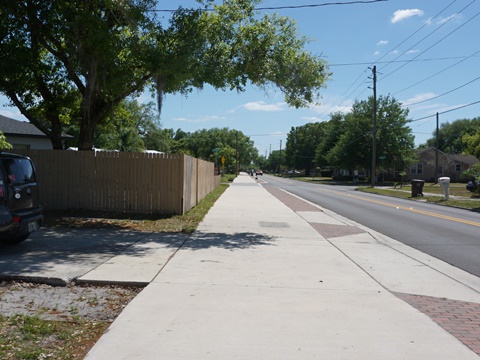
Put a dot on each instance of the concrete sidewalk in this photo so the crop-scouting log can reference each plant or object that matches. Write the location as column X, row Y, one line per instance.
column 271, row 276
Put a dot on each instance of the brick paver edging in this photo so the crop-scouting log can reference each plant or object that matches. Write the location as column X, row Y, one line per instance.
column 459, row 318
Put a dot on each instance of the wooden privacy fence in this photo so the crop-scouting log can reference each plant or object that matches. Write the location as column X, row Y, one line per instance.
column 121, row 182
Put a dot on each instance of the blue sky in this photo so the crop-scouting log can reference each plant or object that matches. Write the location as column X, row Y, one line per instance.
column 426, row 53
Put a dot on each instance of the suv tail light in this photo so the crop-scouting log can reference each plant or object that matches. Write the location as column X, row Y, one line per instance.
column 2, row 189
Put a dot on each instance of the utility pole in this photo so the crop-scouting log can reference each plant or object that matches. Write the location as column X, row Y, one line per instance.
column 295, row 153
column 280, row 159
column 374, row 130
column 436, row 153
column 236, row 155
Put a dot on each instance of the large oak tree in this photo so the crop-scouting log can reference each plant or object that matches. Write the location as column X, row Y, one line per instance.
column 77, row 60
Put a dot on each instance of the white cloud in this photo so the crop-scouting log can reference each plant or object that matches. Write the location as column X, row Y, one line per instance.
column 442, row 21
column 376, row 53
column 411, row 51
column 400, row 15
column 263, row 106
column 199, row 119
column 418, row 98
column 444, row 107
column 382, row 43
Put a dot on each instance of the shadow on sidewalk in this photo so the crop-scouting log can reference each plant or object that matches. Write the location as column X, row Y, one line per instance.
column 243, row 240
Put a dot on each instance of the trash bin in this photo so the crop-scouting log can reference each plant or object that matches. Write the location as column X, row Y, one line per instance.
column 417, row 187
column 445, row 184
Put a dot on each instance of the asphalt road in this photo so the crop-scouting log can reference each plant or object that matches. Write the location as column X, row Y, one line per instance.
column 449, row 234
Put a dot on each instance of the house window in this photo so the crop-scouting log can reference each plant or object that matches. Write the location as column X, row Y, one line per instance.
column 416, row 169
column 440, row 170
column 458, row 167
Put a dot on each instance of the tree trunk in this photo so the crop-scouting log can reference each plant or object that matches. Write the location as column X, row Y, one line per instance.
column 57, row 142
column 55, row 134
column 86, row 136
column 90, row 108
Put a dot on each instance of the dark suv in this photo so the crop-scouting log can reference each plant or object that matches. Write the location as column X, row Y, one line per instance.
column 20, row 210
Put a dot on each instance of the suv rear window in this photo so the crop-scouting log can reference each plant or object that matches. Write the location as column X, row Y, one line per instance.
column 19, row 171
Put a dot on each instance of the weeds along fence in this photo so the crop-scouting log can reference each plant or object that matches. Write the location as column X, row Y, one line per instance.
column 135, row 183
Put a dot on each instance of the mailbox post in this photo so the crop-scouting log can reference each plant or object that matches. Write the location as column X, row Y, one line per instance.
column 445, row 184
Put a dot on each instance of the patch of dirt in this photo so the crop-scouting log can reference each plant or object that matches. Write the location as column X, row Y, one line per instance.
column 39, row 321
column 102, row 303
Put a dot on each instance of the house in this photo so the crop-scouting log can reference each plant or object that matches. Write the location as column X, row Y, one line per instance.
column 449, row 165
column 24, row 135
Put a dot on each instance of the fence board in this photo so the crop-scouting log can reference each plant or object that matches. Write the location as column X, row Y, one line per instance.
column 121, row 182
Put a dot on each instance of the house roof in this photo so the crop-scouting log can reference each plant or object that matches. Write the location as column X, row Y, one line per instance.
column 12, row 127
column 429, row 150
column 464, row 159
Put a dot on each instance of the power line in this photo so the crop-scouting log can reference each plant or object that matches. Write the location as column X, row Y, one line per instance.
column 404, row 61
column 336, row 104
column 380, row 62
column 415, row 32
column 448, row 92
column 436, row 43
column 460, row 107
column 437, row 73
column 320, row 5
column 295, row 6
column 446, row 111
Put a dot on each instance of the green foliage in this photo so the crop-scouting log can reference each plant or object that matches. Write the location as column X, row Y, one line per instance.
column 63, row 62
column 459, row 137
column 32, row 337
column 472, row 143
column 261, row 163
column 3, row 142
column 131, row 127
column 354, row 146
column 302, row 142
column 121, row 132
column 346, row 140
column 276, row 160
column 394, row 139
column 472, row 172
column 201, row 143
column 264, row 50
column 330, row 134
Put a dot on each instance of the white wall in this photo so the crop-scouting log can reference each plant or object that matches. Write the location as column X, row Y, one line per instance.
column 35, row 143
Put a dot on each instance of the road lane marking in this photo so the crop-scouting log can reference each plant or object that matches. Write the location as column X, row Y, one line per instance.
column 407, row 208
